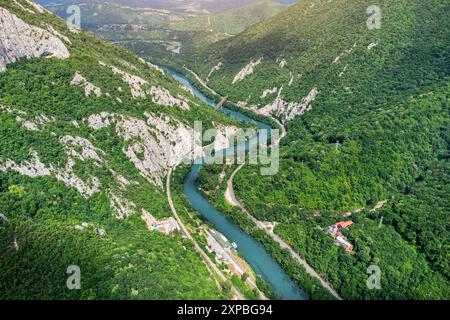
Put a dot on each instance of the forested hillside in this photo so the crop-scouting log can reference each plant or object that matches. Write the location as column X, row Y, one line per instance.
column 232, row 21
column 160, row 31
column 367, row 118
column 89, row 132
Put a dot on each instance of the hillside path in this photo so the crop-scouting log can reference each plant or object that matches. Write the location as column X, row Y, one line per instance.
column 232, row 200
column 209, row 263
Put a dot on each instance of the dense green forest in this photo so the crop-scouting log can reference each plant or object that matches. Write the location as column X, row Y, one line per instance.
column 377, row 131
column 44, row 211
column 128, row 262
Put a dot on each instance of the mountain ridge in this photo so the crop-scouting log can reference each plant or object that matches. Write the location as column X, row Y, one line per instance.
column 89, row 133
column 366, row 112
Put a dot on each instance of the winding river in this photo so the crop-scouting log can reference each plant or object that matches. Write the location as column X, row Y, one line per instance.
column 252, row 251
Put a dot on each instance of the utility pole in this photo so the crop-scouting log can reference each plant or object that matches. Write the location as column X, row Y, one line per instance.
column 381, row 221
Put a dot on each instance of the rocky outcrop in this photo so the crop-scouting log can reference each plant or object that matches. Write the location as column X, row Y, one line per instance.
column 281, row 62
column 89, row 88
column 140, row 89
column 246, row 71
column 19, row 5
column 20, row 40
column 81, row 149
column 121, row 206
column 123, row 182
column 34, row 168
column 288, row 110
column 76, row 148
column 268, row 92
column 67, row 176
column 154, row 145
column 136, row 83
column 31, row 124
column 151, row 65
column 158, row 143
column 214, row 69
column 36, row 6
column 163, row 97
column 58, row 34
column 291, row 80
column 348, row 51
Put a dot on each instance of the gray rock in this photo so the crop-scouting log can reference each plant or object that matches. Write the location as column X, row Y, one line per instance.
column 21, row 40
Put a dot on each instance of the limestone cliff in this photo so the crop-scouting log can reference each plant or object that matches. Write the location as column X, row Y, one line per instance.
column 20, row 40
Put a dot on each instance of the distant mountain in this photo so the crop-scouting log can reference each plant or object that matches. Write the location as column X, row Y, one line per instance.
column 366, row 107
column 192, row 6
column 159, row 34
column 89, row 132
column 232, row 21
column 96, row 14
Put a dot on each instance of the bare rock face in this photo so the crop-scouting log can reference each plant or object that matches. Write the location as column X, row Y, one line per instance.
column 247, row 70
column 89, row 88
column 163, row 97
column 121, row 206
column 36, row 6
column 154, row 145
column 31, row 124
column 289, row 110
column 214, row 69
column 21, row 40
column 269, row 92
column 81, row 149
column 34, row 167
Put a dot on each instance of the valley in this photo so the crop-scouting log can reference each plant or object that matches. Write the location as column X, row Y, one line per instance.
column 100, row 165
column 168, row 29
column 90, row 134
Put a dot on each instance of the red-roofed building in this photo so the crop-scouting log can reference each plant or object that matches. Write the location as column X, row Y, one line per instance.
column 341, row 240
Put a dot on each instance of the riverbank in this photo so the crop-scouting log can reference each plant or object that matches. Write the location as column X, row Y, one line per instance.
column 268, row 228
column 309, row 275
column 216, row 97
column 252, row 251
column 216, row 195
column 253, row 287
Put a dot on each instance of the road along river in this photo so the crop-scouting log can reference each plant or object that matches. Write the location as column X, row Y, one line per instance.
column 252, row 251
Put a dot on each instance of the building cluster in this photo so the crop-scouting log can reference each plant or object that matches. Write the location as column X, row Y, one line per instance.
column 127, row 27
column 219, row 244
column 224, row 251
column 168, row 226
column 335, row 231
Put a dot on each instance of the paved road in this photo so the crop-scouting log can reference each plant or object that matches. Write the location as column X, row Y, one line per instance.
column 231, row 198
column 200, row 80
column 209, row 263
